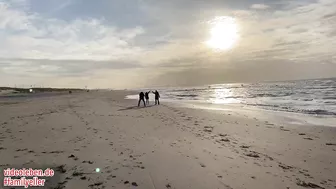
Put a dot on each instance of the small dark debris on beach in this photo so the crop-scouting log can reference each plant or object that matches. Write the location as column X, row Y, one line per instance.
column 89, row 162
column 55, row 152
column 283, row 128
column 308, row 138
column 20, row 150
column 61, row 169
column 245, row 146
column 302, row 133
column 75, row 174
column 74, row 157
column 208, row 129
column 126, row 182
column 225, row 140
column 134, row 184
column 331, row 144
column 83, row 178
column 58, row 187
column 253, row 154
column 286, row 167
column 307, row 185
column 96, row 184
column 62, row 183
column 168, row 186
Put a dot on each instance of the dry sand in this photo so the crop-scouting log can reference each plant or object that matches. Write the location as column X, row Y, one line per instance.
column 159, row 147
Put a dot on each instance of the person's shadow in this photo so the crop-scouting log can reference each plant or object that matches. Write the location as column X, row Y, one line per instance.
column 135, row 107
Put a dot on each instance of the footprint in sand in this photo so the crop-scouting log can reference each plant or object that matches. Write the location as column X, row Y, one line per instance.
column 307, row 184
column 245, row 146
column 202, row 165
column 89, row 162
column 95, row 184
column 74, row 157
column 20, row 150
column 252, row 154
column 282, row 128
column 61, row 169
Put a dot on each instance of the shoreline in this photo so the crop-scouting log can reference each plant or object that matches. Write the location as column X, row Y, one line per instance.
column 165, row 146
column 280, row 117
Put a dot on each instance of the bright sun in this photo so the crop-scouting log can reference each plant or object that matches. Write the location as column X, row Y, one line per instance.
column 224, row 33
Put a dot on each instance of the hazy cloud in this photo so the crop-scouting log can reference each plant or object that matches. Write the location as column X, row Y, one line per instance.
column 154, row 41
column 259, row 6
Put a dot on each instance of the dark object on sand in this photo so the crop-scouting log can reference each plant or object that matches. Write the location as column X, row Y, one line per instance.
column 157, row 97
column 141, row 98
column 70, row 92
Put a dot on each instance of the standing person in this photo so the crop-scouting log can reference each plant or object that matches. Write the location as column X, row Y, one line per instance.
column 141, row 98
column 157, row 97
column 147, row 97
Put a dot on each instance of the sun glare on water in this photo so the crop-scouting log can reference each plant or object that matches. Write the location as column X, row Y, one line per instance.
column 224, row 33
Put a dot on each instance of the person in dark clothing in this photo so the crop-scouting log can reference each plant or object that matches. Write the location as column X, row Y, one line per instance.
column 157, row 97
column 141, row 98
column 147, row 97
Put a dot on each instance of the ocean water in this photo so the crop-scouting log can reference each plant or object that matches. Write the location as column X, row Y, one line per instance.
column 310, row 97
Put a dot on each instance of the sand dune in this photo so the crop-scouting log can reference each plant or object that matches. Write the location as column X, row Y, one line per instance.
column 160, row 147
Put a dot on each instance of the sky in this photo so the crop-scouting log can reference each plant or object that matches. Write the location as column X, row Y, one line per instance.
column 147, row 43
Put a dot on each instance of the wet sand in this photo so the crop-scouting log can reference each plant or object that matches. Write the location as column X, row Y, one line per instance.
column 160, row 146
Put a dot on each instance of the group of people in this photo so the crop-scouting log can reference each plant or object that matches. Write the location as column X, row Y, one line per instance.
column 143, row 96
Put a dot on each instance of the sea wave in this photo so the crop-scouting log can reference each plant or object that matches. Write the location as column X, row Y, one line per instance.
column 313, row 97
column 187, row 95
column 319, row 112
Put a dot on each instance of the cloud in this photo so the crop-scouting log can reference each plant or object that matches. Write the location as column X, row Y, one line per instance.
column 31, row 36
column 259, row 6
column 153, row 41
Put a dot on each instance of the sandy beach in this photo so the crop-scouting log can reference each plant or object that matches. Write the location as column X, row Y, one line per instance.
column 159, row 147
